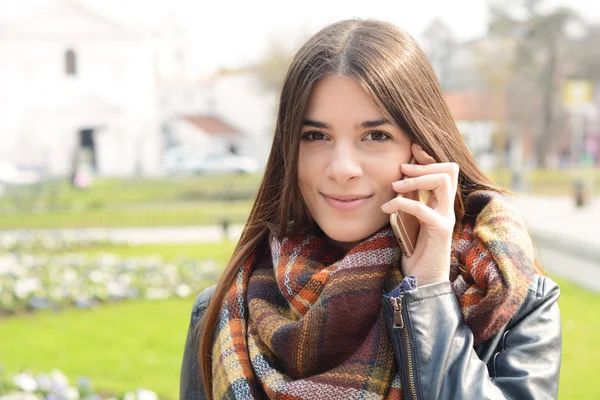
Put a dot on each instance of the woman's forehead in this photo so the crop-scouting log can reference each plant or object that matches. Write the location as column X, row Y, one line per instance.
column 341, row 97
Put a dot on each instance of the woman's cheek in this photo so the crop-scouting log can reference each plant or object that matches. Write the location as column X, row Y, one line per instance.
column 387, row 169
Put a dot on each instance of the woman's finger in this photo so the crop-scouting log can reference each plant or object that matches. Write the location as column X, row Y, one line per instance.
column 421, row 157
column 425, row 214
column 439, row 184
column 452, row 169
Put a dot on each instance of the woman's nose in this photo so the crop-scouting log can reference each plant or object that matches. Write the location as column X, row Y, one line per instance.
column 344, row 164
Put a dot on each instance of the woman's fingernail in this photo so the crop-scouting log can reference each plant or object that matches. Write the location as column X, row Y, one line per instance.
column 406, row 166
column 398, row 183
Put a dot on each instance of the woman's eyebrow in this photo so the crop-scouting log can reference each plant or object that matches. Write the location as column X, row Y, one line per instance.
column 375, row 124
column 315, row 124
column 364, row 125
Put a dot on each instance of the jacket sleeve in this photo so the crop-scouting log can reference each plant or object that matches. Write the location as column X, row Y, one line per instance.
column 190, row 382
column 434, row 348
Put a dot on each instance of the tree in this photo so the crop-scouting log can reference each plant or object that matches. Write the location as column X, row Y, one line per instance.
column 540, row 38
column 584, row 55
column 272, row 68
column 439, row 45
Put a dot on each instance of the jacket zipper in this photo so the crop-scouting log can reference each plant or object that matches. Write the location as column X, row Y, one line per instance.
column 399, row 324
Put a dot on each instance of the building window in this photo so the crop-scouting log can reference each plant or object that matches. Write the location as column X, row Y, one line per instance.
column 70, row 63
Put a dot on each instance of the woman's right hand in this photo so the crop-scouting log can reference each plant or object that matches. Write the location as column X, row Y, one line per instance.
column 430, row 261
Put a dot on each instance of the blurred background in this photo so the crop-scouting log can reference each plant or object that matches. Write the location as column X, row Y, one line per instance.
column 134, row 134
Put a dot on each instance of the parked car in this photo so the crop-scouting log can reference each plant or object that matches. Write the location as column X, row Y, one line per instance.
column 219, row 163
column 179, row 160
column 11, row 175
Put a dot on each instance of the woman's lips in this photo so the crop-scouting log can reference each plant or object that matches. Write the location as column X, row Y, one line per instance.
column 346, row 205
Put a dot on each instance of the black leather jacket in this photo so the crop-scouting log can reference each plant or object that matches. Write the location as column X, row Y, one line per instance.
column 434, row 348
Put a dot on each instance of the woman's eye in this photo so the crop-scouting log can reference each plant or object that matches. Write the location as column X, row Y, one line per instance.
column 378, row 136
column 313, row 135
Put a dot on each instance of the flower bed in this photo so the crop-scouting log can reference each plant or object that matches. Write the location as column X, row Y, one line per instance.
column 56, row 386
column 33, row 282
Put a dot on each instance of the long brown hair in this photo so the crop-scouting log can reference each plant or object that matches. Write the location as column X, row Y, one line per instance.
column 395, row 73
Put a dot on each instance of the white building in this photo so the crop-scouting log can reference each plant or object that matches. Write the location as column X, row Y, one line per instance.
column 205, row 134
column 70, row 79
column 237, row 99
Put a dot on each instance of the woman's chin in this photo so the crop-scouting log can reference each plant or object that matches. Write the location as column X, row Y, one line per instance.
column 347, row 235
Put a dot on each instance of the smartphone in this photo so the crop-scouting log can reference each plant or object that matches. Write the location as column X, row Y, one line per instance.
column 406, row 226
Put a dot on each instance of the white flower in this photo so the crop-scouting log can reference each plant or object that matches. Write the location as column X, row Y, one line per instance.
column 43, row 381
column 171, row 271
column 130, row 264
column 183, row 290
column 23, row 287
column 75, row 277
column 7, row 264
column 56, row 293
column 144, row 394
column 129, row 396
column 125, row 279
column 116, row 289
column 69, row 276
column 155, row 280
column 19, row 396
column 8, row 241
column 48, row 242
column 25, row 382
column 28, row 260
column 108, row 260
column 96, row 276
column 209, row 266
column 59, row 378
column 71, row 393
column 157, row 293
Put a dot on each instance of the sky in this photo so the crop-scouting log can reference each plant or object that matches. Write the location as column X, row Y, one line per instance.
column 227, row 34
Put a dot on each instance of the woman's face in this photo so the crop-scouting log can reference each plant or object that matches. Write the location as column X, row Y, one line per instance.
column 349, row 157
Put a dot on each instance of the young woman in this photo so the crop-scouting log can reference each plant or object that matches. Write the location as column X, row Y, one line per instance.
column 318, row 301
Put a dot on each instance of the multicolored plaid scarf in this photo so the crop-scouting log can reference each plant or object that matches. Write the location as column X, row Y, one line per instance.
column 304, row 321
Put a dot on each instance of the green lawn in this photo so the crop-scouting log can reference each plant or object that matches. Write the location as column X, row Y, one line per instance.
column 119, row 346
column 108, row 191
column 550, row 182
column 581, row 342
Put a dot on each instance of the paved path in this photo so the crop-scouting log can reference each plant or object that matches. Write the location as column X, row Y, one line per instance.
column 170, row 234
column 559, row 216
column 567, row 238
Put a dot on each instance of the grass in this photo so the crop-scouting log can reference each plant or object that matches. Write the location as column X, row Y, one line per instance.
column 551, row 182
column 119, row 346
column 581, row 342
column 108, row 191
